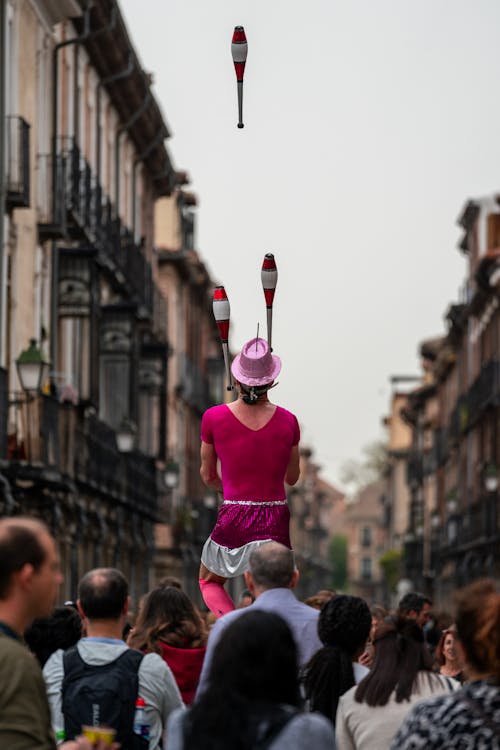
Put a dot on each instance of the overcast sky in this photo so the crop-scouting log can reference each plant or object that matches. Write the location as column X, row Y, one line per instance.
column 368, row 124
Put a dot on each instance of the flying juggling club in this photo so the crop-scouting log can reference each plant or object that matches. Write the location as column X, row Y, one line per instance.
column 269, row 275
column 239, row 49
column 222, row 312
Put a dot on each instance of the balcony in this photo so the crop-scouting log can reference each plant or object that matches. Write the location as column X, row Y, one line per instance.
column 484, row 392
column 4, row 408
column 50, row 203
column 17, row 166
column 67, row 449
column 415, row 470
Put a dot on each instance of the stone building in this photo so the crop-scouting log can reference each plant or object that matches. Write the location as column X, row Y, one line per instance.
column 85, row 161
column 453, row 531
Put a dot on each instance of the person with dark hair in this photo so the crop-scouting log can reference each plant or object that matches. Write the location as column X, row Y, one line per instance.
column 271, row 578
column 370, row 713
column 170, row 581
column 30, row 577
column 72, row 676
column 256, row 445
column 415, row 606
column 246, row 598
column 170, row 625
column 379, row 614
column 448, row 656
column 252, row 699
column 343, row 627
column 62, row 629
column 470, row 717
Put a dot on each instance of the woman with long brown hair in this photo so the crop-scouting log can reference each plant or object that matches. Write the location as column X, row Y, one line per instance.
column 370, row 714
column 170, row 625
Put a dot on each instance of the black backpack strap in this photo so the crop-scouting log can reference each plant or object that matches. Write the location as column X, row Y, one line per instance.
column 73, row 663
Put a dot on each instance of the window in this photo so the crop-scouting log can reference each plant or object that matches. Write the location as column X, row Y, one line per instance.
column 366, row 536
column 366, row 568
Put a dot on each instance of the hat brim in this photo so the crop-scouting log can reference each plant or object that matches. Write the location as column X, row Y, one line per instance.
column 241, row 377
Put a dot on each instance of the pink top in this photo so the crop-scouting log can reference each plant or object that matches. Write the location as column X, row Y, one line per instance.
column 253, row 462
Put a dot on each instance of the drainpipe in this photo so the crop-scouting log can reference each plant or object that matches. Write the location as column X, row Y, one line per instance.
column 159, row 137
column 122, row 129
column 105, row 82
column 3, row 295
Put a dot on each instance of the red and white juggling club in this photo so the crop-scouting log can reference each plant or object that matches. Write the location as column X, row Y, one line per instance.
column 239, row 49
column 222, row 312
column 269, row 275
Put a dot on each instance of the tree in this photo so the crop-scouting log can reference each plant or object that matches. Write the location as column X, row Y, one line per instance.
column 338, row 558
column 390, row 563
column 357, row 474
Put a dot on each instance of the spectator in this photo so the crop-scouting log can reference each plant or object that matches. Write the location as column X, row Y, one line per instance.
column 271, row 578
column 103, row 602
column 370, row 714
column 170, row 625
column 246, row 599
column 378, row 616
column 471, row 716
column 414, row 606
column 252, row 694
column 47, row 634
column 449, row 659
column 321, row 597
column 29, row 580
column 343, row 627
column 170, row 581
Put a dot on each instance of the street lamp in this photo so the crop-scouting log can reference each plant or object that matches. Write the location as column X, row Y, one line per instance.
column 32, row 368
column 491, row 478
column 125, row 435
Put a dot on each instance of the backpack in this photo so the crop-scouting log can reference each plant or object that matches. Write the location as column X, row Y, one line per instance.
column 103, row 694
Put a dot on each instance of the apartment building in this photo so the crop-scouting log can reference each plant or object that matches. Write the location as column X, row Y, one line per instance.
column 84, row 444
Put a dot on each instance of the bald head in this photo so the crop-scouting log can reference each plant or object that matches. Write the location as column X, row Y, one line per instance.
column 23, row 541
column 272, row 566
column 103, row 593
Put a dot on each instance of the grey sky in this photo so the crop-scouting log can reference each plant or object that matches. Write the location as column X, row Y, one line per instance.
column 368, row 124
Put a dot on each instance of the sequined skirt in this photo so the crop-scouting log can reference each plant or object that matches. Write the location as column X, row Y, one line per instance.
column 241, row 526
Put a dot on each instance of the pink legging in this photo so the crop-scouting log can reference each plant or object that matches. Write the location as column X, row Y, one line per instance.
column 216, row 597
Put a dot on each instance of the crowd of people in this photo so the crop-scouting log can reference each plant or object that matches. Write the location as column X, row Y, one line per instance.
column 273, row 673
column 269, row 672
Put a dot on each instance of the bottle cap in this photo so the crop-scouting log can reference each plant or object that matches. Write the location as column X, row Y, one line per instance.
column 140, row 702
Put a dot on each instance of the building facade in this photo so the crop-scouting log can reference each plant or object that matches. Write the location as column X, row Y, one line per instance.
column 453, row 531
column 84, row 163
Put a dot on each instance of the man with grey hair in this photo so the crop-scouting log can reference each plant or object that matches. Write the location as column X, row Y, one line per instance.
column 271, row 578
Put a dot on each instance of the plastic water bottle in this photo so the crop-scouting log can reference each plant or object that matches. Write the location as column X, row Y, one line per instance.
column 141, row 723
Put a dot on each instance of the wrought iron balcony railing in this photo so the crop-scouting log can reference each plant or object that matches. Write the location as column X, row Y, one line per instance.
column 17, row 166
column 83, row 450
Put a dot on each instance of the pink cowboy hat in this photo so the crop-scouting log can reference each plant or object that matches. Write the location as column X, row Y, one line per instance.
column 256, row 365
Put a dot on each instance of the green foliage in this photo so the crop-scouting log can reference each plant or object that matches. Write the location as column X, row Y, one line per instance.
column 338, row 558
column 390, row 563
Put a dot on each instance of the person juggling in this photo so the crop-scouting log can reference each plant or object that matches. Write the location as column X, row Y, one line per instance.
column 254, row 444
